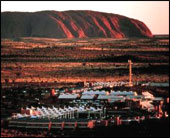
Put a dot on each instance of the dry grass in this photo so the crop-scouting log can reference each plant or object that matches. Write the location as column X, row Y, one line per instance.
column 74, row 60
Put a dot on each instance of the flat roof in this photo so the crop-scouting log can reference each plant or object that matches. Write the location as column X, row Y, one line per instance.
column 87, row 96
column 94, row 92
column 68, row 96
column 122, row 93
column 110, row 97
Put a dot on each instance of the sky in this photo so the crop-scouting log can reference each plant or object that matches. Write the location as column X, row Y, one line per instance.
column 155, row 14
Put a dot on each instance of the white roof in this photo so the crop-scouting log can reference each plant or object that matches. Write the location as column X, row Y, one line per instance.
column 58, row 112
column 68, row 96
column 87, row 96
column 147, row 95
column 91, row 92
column 158, row 99
column 110, row 97
column 122, row 93
column 133, row 96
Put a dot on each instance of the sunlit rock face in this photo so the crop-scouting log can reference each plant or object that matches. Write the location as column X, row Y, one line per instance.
column 70, row 24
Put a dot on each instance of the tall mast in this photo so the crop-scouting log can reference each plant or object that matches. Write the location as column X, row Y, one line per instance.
column 130, row 73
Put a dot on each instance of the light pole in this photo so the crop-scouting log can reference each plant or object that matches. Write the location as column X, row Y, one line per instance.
column 130, row 73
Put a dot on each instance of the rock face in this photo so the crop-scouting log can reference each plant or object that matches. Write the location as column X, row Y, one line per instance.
column 70, row 24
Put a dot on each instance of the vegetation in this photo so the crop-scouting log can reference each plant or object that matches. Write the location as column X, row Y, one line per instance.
column 74, row 60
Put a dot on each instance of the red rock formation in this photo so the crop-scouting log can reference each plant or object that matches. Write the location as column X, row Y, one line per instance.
column 70, row 24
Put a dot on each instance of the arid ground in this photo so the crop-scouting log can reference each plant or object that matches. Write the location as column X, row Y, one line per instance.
column 46, row 60
column 49, row 63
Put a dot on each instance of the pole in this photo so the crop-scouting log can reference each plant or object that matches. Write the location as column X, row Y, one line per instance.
column 130, row 72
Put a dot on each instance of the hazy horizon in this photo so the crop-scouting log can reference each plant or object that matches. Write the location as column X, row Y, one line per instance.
column 155, row 14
